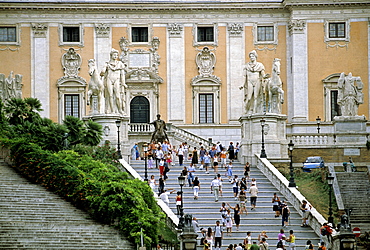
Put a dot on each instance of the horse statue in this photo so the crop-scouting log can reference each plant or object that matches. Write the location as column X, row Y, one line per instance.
column 273, row 89
column 96, row 88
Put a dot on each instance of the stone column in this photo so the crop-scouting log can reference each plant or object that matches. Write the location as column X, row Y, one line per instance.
column 235, row 64
column 298, row 71
column 40, row 66
column 176, row 73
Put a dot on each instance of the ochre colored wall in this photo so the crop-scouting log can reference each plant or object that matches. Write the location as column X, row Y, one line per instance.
column 323, row 61
column 160, row 32
column 266, row 56
column 18, row 60
column 221, row 71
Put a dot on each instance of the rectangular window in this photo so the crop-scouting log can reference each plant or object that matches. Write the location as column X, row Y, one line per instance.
column 72, row 105
column 337, row 30
column 71, row 34
column 335, row 108
column 205, row 34
column 206, row 108
column 8, row 34
column 139, row 34
column 265, row 33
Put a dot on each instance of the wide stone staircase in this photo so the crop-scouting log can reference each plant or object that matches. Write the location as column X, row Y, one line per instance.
column 31, row 217
column 354, row 188
column 206, row 210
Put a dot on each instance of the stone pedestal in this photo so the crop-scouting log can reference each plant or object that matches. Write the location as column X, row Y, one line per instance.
column 110, row 130
column 276, row 144
column 350, row 130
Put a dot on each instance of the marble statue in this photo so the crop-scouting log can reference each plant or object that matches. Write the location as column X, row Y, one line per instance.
column 254, row 73
column 273, row 89
column 350, row 94
column 96, row 89
column 11, row 86
column 159, row 134
column 114, row 83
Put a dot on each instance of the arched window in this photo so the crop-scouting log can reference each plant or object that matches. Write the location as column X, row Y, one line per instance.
column 139, row 110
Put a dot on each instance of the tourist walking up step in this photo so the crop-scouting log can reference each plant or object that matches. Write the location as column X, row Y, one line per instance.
column 254, row 246
column 254, row 192
column 264, row 245
column 237, row 149
column 180, row 155
column 164, row 196
column 152, row 183
column 285, row 213
column 207, row 162
column 178, row 202
column 194, row 159
column 281, row 234
column 235, row 183
column 223, row 156
column 231, row 151
column 242, row 201
column 237, row 212
column 243, row 184
column 202, row 153
column 173, row 155
column 223, row 211
column 196, row 187
column 306, row 209
column 248, row 241
column 209, row 238
column 229, row 223
column 229, row 172
column 276, row 205
column 220, row 181
column 150, row 159
column 262, row 235
column 247, row 171
column 161, row 185
column 291, row 240
column 191, row 172
column 215, row 163
column 218, row 232
column 215, row 188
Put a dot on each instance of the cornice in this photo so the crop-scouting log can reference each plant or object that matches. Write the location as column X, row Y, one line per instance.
column 324, row 3
column 134, row 7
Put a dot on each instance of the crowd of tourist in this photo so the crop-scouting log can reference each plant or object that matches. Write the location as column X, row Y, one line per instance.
column 219, row 160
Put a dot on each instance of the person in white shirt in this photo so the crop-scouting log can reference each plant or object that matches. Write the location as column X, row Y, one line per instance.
column 218, row 232
column 253, row 190
column 164, row 196
column 215, row 188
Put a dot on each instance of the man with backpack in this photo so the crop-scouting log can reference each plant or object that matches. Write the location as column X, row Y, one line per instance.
column 285, row 213
column 218, row 232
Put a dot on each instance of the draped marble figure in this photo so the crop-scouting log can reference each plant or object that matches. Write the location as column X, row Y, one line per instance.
column 350, row 94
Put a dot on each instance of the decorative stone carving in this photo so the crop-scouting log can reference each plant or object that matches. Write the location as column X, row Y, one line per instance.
column 102, row 30
column 10, row 87
column 141, row 65
column 296, row 26
column 206, row 61
column 350, row 94
column 39, row 29
column 235, row 29
column 71, row 62
column 175, row 29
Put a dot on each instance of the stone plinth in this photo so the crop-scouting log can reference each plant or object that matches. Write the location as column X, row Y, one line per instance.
column 110, row 131
column 276, row 145
column 350, row 130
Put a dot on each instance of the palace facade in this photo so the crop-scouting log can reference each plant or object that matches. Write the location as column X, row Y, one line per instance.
column 185, row 60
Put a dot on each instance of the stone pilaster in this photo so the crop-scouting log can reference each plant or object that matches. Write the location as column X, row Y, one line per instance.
column 40, row 66
column 235, row 64
column 298, row 85
column 103, row 44
column 176, row 73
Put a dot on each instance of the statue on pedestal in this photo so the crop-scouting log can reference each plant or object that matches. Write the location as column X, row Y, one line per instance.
column 254, row 73
column 159, row 134
column 274, row 90
column 350, row 94
column 114, row 82
column 95, row 94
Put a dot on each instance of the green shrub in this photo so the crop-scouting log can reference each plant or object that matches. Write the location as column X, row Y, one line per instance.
column 101, row 189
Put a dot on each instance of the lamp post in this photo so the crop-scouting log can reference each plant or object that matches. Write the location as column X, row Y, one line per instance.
column 291, row 180
column 145, row 148
column 181, row 180
column 263, row 152
column 118, row 124
column 318, row 121
column 330, row 180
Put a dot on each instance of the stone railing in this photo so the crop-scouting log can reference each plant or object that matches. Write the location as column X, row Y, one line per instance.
column 312, row 140
column 180, row 134
column 172, row 220
column 336, row 190
column 292, row 194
